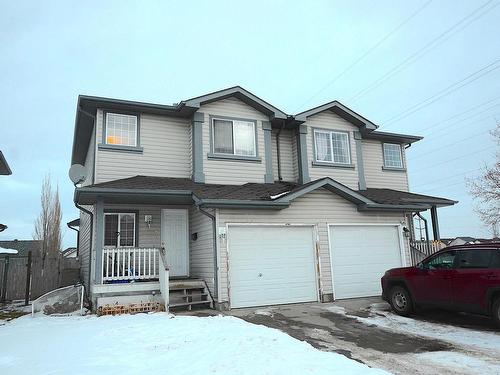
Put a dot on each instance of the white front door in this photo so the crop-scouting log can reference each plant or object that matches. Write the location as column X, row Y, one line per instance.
column 174, row 238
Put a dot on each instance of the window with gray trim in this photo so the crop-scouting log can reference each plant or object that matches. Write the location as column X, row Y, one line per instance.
column 119, row 229
column 332, row 146
column 233, row 137
column 393, row 155
column 120, row 129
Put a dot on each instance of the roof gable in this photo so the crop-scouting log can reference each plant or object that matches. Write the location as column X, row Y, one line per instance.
column 341, row 110
column 243, row 95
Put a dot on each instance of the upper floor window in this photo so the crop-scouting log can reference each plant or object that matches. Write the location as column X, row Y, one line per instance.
column 332, row 147
column 393, row 155
column 234, row 137
column 121, row 129
column 119, row 229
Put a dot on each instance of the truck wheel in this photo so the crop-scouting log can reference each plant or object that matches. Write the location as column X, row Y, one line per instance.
column 495, row 312
column 400, row 301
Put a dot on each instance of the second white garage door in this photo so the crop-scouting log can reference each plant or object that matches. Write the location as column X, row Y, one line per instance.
column 360, row 256
column 271, row 265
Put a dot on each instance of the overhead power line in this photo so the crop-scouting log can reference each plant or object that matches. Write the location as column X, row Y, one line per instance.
column 441, row 38
column 447, row 178
column 445, row 92
column 456, row 122
column 446, row 145
column 457, row 158
column 366, row 53
column 470, row 109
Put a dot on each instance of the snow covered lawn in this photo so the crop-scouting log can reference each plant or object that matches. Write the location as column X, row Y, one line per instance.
column 159, row 344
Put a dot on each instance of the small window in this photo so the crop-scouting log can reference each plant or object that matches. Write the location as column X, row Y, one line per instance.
column 442, row 261
column 393, row 155
column 121, row 129
column 119, row 229
column 234, row 137
column 475, row 258
column 332, row 147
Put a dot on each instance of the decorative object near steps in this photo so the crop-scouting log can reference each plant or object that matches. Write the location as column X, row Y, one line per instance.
column 132, row 308
column 189, row 293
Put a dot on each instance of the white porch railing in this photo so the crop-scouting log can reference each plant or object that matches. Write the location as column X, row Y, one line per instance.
column 422, row 249
column 130, row 263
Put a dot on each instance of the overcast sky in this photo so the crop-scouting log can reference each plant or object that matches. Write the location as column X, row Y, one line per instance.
column 420, row 67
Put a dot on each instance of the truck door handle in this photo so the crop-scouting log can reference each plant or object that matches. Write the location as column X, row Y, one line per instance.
column 491, row 276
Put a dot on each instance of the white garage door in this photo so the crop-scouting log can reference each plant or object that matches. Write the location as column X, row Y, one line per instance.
column 271, row 265
column 360, row 255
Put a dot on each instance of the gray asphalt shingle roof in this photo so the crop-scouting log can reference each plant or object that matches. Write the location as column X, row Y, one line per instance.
column 258, row 191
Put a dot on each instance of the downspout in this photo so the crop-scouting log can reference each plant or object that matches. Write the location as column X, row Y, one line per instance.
column 280, row 178
column 214, row 238
column 426, row 232
column 91, row 234
column 77, row 238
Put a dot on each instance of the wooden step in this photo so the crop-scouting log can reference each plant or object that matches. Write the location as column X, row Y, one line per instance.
column 188, row 304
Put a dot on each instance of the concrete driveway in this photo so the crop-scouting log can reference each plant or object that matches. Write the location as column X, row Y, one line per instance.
column 392, row 343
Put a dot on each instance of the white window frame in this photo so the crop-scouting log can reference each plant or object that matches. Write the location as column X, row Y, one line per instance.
column 136, row 133
column 400, row 156
column 119, row 214
column 254, row 124
column 330, row 132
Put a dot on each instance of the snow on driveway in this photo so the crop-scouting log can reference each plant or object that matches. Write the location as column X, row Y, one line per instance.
column 477, row 352
column 159, row 344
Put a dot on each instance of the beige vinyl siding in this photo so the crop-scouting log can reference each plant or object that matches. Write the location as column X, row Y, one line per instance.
column 331, row 121
column 89, row 161
column 235, row 172
column 289, row 168
column 375, row 176
column 201, row 253
column 84, row 245
column 167, row 150
column 318, row 208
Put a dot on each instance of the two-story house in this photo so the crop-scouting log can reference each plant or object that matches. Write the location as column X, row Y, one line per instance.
column 259, row 206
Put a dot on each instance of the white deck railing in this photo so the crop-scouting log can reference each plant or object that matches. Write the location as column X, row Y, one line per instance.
column 130, row 263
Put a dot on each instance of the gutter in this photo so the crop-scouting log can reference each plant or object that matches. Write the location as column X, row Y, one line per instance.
column 392, row 207
column 278, row 159
column 90, row 244
column 77, row 238
column 214, row 239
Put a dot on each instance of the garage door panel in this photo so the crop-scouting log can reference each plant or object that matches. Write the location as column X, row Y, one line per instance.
column 271, row 265
column 360, row 256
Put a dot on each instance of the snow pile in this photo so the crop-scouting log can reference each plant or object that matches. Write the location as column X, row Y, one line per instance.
column 4, row 250
column 160, row 344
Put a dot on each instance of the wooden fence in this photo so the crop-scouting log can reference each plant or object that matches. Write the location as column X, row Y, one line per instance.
column 25, row 277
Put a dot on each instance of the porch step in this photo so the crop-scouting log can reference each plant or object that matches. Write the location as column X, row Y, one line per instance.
column 188, row 293
column 188, row 304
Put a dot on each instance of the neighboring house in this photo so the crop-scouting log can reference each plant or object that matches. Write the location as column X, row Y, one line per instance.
column 465, row 240
column 23, row 247
column 4, row 166
column 263, row 207
column 4, row 170
column 70, row 252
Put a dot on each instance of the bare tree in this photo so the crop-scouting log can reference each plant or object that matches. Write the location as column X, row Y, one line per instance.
column 486, row 190
column 48, row 223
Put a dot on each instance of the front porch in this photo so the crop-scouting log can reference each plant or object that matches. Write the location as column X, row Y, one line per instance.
column 151, row 254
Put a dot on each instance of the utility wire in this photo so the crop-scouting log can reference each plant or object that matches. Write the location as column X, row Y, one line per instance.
column 366, row 53
column 473, row 122
column 441, row 38
column 446, row 145
column 470, row 109
column 457, row 158
column 447, row 178
column 445, row 92
column 443, row 187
